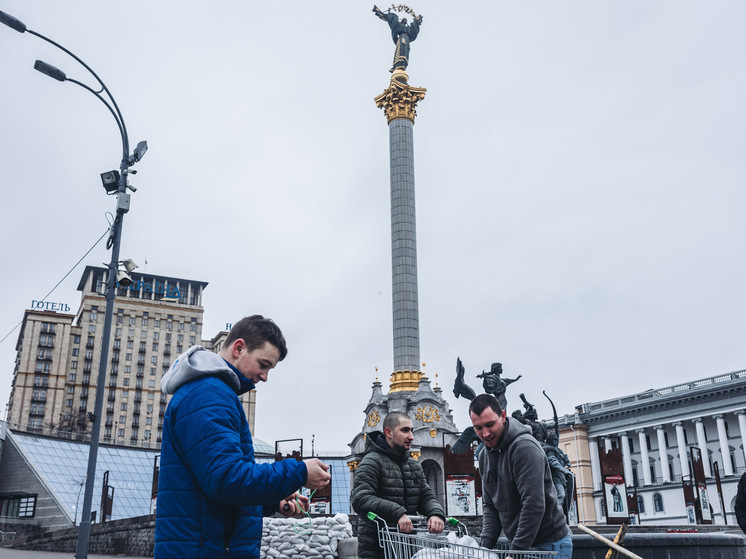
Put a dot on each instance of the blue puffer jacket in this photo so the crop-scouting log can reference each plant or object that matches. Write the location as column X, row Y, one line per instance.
column 211, row 494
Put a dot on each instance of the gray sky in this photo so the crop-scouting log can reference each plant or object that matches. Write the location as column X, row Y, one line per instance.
column 579, row 174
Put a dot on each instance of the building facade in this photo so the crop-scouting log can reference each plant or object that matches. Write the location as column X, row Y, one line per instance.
column 57, row 361
column 655, row 431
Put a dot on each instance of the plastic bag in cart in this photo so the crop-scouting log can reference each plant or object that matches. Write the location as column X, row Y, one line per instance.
column 452, row 552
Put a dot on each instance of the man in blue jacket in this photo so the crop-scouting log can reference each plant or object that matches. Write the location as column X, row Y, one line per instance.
column 212, row 495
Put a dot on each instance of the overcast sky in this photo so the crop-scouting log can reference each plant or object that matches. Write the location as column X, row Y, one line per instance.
column 579, row 172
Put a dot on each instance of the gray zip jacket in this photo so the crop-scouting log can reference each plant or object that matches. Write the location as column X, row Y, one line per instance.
column 518, row 492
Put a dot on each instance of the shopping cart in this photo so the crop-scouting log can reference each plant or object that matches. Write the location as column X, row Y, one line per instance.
column 422, row 545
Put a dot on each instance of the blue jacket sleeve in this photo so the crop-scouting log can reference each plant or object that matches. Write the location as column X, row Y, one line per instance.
column 207, row 430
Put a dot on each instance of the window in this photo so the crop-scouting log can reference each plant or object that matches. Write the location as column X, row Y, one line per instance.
column 132, row 321
column 155, row 346
column 180, row 338
column 193, row 325
column 92, row 329
column 71, row 390
column 144, row 319
column 192, row 340
column 125, row 394
column 154, row 359
column 156, row 336
column 127, row 369
column 640, row 504
column 46, row 341
column 157, row 323
column 72, row 377
column 37, row 409
column 18, row 506
column 125, row 381
column 69, row 403
column 118, row 332
column 631, row 446
column 44, row 354
column 179, row 349
column 148, row 421
column 131, row 333
column 143, row 346
column 120, row 433
column 76, row 351
column 122, row 420
column 84, row 392
column 47, row 327
column 42, row 367
column 94, row 316
column 123, row 406
column 76, row 339
column 152, row 370
column 181, row 326
column 151, row 384
column 128, row 357
column 130, row 344
column 150, row 408
column 658, row 502
column 89, row 354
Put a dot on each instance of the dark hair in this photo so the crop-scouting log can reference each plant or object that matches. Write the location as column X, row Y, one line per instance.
column 484, row 401
column 255, row 330
column 393, row 419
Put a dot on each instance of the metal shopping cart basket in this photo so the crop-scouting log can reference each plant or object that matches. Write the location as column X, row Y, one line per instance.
column 423, row 545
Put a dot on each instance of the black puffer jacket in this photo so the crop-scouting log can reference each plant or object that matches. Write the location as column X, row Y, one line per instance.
column 390, row 485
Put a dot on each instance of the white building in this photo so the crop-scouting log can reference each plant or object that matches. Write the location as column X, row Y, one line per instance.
column 655, row 430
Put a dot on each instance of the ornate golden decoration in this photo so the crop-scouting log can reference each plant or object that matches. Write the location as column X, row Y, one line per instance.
column 433, row 432
column 405, row 381
column 415, row 455
column 427, row 414
column 353, row 464
column 400, row 100
column 373, row 418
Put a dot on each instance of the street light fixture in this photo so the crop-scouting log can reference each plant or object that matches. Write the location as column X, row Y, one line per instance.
column 115, row 236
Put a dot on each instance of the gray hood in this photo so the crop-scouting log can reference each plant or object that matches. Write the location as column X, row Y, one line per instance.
column 198, row 362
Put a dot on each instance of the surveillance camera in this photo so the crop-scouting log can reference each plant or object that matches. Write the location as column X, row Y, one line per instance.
column 129, row 265
column 123, row 279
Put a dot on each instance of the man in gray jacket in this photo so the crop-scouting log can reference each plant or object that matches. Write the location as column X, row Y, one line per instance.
column 517, row 488
column 391, row 484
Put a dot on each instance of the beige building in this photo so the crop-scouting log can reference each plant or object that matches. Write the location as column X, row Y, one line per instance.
column 57, row 362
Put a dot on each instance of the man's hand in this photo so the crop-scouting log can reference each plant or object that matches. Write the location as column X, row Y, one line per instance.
column 405, row 524
column 435, row 524
column 318, row 473
column 294, row 504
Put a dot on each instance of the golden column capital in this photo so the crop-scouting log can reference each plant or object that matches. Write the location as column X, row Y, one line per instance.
column 400, row 101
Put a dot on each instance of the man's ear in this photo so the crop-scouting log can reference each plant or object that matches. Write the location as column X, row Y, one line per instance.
column 387, row 432
column 238, row 345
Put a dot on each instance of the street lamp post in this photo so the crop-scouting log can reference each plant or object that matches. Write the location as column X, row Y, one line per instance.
column 115, row 236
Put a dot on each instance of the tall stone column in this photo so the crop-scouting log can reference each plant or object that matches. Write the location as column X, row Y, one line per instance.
column 626, row 459
column 702, row 444
column 663, row 452
column 683, row 456
column 724, row 447
column 595, row 465
column 399, row 102
column 644, row 458
column 742, row 426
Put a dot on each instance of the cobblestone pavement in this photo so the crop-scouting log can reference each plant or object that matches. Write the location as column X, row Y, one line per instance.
column 6, row 553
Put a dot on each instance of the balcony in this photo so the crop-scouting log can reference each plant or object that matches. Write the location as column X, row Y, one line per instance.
column 115, row 358
column 112, row 397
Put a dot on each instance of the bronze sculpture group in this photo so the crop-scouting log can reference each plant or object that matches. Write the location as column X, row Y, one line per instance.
column 494, row 383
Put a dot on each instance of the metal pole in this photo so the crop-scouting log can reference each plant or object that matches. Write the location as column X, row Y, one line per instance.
column 111, row 287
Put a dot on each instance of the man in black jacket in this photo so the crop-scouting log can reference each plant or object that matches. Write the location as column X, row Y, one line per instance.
column 391, row 484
